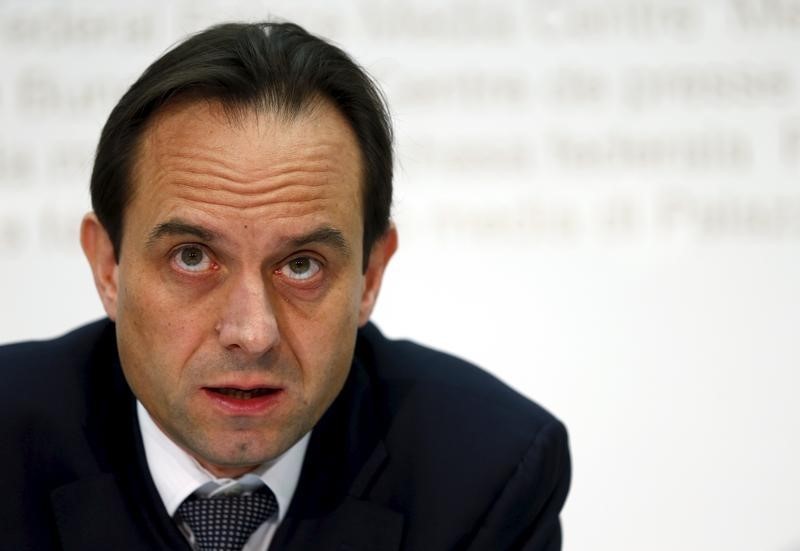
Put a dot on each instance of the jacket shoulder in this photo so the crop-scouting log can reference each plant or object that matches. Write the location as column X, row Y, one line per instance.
column 36, row 371
column 406, row 369
column 73, row 341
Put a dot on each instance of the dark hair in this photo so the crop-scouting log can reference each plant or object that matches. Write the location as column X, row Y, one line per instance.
column 270, row 66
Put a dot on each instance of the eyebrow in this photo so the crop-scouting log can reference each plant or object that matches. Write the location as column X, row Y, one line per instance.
column 179, row 227
column 325, row 235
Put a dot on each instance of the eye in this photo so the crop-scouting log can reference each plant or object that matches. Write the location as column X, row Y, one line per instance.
column 301, row 268
column 192, row 258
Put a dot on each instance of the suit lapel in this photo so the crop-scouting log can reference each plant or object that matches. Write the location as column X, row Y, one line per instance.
column 92, row 514
column 355, row 525
column 115, row 504
column 331, row 509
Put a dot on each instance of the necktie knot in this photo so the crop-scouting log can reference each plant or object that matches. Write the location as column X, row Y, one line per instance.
column 226, row 522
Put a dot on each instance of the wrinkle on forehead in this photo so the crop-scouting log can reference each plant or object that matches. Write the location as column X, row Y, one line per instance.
column 273, row 187
column 265, row 208
column 217, row 167
column 221, row 196
column 195, row 160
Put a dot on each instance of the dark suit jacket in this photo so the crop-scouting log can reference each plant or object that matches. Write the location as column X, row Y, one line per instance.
column 421, row 451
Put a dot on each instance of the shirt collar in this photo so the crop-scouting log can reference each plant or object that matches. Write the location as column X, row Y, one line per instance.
column 177, row 474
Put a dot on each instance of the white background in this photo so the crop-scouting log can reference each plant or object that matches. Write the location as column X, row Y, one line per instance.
column 597, row 201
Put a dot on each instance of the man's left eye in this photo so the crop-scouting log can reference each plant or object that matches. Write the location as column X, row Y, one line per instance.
column 192, row 258
column 301, row 268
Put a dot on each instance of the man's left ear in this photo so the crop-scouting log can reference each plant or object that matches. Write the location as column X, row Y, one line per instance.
column 379, row 256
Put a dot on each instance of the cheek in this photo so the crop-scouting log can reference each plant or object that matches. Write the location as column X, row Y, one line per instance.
column 141, row 313
column 328, row 346
column 162, row 307
column 151, row 325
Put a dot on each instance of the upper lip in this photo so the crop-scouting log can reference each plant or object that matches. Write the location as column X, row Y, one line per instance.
column 244, row 386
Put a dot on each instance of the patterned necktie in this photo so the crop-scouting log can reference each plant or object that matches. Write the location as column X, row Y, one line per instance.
column 225, row 523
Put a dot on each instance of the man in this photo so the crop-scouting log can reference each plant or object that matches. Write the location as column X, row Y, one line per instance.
column 237, row 395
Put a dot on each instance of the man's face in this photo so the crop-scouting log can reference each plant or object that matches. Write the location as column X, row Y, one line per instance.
column 239, row 286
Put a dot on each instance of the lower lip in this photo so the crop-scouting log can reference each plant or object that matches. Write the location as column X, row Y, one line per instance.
column 244, row 406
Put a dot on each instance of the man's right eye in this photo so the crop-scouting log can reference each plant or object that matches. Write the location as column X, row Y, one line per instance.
column 193, row 258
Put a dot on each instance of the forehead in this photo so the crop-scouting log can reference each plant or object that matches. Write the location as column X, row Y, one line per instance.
column 195, row 156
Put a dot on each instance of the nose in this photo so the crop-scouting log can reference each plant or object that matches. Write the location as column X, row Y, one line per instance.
column 247, row 322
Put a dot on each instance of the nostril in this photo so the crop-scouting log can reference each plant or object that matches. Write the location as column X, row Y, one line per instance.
column 249, row 337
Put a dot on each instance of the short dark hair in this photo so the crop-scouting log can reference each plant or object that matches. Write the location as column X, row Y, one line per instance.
column 269, row 66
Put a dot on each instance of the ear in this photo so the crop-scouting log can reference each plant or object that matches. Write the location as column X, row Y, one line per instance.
column 100, row 253
column 379, row 256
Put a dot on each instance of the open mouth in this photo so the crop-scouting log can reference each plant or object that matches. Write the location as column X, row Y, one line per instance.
column 241, row 394
column 244, row 401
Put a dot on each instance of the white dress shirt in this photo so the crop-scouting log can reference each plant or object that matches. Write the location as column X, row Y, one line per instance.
column 177, row 475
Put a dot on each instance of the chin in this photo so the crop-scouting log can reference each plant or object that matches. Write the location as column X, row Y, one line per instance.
column 245, row 451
